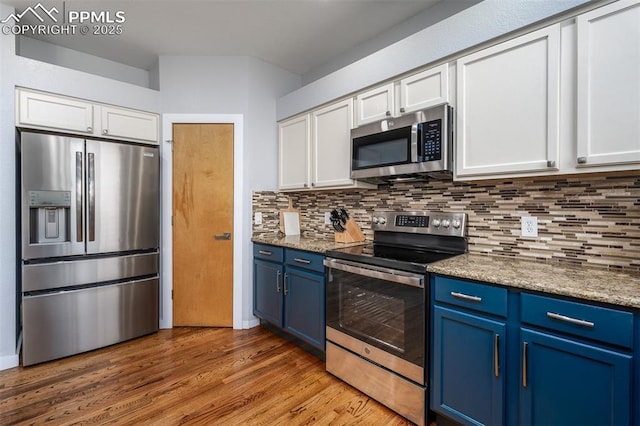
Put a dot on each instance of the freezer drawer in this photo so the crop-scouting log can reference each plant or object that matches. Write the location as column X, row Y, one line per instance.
column 60, row 324
column 53, row 275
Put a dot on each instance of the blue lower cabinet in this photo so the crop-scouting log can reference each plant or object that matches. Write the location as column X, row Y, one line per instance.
column 289, row 292
column 305, row 306
column 565, row 382
column 268, row 291
column 468, row 367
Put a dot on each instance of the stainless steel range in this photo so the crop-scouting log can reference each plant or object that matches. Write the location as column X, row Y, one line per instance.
column 377, row 307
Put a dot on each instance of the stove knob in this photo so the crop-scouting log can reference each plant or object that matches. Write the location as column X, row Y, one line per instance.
column 436, row 223
column 456, row 223
column 382, row 220
column 374, row 219
column 446, row 223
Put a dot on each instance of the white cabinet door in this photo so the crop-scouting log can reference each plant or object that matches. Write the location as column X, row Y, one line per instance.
column 425, row 89
column 331, row 145
column 507, row 107
column 127, row 124
column 294, row 149
column 608, row 85
column 375, row 104
column 42, row 110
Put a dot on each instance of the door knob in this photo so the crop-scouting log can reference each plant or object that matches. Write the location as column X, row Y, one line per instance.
column 225, row 236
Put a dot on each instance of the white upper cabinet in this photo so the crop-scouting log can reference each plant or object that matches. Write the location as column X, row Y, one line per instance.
column 415, row 92
column 375, row 104
column 425, row 89
column 294, row 140
column 124, row 123
column 46, row 111
column 507, row 107
column 332, row 145
column 315, row 149
column 608, row 85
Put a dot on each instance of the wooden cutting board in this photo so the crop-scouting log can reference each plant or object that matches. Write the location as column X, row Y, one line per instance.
column 293, row 215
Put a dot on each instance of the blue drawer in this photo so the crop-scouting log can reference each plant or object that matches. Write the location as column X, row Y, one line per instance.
column 578, row 319
column 471, row 295
column 304, row 260
column 267, row 252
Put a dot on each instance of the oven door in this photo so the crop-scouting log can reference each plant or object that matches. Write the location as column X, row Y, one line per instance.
column 385, row 309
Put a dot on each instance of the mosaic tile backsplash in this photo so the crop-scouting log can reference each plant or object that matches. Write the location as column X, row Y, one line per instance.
column 588, row 219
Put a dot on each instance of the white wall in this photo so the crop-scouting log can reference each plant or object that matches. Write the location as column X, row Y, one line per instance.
column 209, row 88
column 477, row 24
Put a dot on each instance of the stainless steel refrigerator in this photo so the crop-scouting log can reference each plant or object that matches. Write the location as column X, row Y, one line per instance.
column 89, row 219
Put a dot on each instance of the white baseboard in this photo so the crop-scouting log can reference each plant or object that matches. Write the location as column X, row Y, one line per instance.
column 9, row 361
column 251, row 323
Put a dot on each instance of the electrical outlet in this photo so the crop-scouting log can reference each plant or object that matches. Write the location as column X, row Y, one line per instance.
column 257, row 218
column 529, row 226
column 327, row 218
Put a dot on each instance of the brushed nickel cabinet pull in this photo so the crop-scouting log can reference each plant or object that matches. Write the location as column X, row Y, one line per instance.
column 525, row 346
column 402, row 109
column 278, row 282
column 388, row 114
column 570, row 320
column 284, row 283
column 466, row 297
column 305, row 261
column 551, row 163
column 582, row 160
column 496, row 355
column 265, row 253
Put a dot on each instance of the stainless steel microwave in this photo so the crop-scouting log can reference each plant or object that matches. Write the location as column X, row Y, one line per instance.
column 413, row 146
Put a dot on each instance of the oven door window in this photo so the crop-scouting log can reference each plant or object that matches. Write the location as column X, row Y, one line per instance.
column 382, row 149
column 386, row 315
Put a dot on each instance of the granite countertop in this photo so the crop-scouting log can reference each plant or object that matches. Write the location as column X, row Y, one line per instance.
column 301, row 243
column 595, row 284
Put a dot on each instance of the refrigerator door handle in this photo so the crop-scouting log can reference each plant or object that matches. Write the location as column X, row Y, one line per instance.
column 79, row 182
column 92, row 197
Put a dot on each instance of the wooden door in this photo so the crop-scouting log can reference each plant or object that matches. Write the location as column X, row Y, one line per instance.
column 202, row 218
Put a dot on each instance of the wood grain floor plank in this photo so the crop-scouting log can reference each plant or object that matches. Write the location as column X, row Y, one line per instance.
column 194, row 376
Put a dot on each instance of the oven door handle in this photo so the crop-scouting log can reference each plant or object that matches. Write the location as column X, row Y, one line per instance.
column 406, row 278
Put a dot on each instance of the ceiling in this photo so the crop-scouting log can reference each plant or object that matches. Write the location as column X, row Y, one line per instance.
column 296, row 35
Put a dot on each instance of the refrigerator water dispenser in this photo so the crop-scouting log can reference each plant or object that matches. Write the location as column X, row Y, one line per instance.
column 49, row 216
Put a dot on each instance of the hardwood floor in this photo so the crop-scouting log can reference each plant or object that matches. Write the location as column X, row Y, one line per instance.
column 208, row 376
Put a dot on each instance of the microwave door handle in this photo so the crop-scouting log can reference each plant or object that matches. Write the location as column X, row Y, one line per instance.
column 414, row 143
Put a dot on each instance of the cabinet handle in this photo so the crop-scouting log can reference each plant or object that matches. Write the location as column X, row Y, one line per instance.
column 582, row 160
column 575, row 321
column 388, row 114
column 284, row 283
column 278, row 282
column 496, row 355
column 551, row 163
column 402, row 109
column 265, row 253
column 305, row 261
column 305, row 185
column 313, row 184
column 466, row 297
column 105, row 132
column 525, row 346
column 89, row 129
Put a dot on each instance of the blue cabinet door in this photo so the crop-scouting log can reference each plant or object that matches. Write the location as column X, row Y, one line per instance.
column 468, row 367
column 305, row 306
column 268, row 291
column 564, row 382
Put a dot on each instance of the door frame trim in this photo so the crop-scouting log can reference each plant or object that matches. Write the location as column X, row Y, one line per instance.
column 166, row 202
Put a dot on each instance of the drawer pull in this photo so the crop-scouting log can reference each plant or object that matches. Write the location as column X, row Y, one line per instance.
column 466, row 297
column 305, row 261
column 575, row 321
column 265, row 253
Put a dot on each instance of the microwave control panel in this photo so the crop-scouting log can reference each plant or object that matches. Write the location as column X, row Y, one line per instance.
column 432, row 140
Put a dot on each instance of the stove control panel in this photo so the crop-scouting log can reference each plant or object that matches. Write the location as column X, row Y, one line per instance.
column 421, row 222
